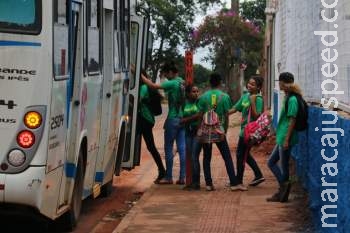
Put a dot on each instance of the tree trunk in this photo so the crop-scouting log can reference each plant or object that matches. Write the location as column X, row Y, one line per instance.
column 235, row 5
column 234, row 83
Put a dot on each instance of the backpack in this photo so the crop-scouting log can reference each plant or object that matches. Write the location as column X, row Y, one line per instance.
column 302, row 115
column 210, row 129
column 255, row 132
column 154, row 101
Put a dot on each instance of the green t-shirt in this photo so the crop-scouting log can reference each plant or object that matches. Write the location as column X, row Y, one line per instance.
column 191, row 109
column 283, row 122
column 172, row 90
column 243, row 106
column 143, row 108
column 223, row 101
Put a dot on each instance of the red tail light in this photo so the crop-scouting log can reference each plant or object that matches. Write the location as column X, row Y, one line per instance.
column 25, row 139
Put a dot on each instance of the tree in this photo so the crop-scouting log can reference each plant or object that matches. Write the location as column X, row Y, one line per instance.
column 171, row 21
column 254, row 11
column 234, row 41
column 201, row 75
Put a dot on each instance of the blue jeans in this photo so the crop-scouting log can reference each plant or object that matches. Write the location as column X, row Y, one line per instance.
column 193, row 148
column 226, row 155
column 174, row 131
column 281, row 172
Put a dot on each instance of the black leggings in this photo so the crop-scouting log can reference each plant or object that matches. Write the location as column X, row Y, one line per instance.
column 241, row 151
column 146, row 131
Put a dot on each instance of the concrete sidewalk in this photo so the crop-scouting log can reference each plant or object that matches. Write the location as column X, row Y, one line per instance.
column 168, row 208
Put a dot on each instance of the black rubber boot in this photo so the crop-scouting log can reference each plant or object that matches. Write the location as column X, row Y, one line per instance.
column 275, row 197
column 285, row 190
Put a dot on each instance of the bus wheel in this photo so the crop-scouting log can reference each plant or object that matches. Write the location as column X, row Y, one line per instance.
column 71, row 217
column 106, row 189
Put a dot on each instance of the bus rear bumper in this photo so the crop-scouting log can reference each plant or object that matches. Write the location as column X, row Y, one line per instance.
column 28, row 190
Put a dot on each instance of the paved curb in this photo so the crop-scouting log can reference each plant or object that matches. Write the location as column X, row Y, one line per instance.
column 129, row 217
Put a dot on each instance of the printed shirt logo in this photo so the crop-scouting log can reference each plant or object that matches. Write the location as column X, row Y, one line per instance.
column 245, row 103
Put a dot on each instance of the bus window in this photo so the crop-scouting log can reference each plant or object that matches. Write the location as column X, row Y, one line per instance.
column 134, row 38
column 126, row 37
column 116, row 58
column 117, row 45
column 124, row 24
column 93, row 40
column 60, row 40
column 20, row 16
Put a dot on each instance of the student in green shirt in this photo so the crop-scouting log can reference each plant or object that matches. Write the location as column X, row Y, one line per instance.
column 286, row 138
column 216, row 98
column 145, row 126
column 191, row 120
column 173, row 130
column 251, row 104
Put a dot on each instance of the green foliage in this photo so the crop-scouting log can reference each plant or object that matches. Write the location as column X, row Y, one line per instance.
column 234, row 40
column 254, row 11
column 201, row 75
column 170, row 22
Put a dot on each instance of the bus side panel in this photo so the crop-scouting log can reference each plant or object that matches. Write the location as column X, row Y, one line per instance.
column 51, row 192
column 91, row 115
column 57, row 126
column 110, row 153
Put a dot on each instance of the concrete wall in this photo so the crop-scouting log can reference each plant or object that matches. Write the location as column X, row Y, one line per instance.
column 296, row 49
column 309, row 163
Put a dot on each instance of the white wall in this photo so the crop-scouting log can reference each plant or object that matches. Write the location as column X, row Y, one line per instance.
column 299, row 50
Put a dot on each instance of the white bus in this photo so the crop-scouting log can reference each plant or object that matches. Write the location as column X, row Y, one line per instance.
column 68, row 102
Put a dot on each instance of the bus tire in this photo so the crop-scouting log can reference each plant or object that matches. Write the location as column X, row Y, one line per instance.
column 107, row 189
column 70, row 218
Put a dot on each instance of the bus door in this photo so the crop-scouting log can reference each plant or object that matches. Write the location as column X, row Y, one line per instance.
column 132, row 151
column 106, row 159
column 64, row 50
column 147, row 42
column 73, row 57
column 92, row 89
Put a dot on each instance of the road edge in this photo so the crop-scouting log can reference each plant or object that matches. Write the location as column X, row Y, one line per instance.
column 124, row 224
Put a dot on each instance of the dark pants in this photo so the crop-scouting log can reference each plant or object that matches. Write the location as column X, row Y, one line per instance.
column 193, row 150
column 145, row 128
column 226, row 155
column 242, row 149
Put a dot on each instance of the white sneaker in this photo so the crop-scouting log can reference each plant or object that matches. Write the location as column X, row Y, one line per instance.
column 209, row 188
column 235, row 188
column 242, row 187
